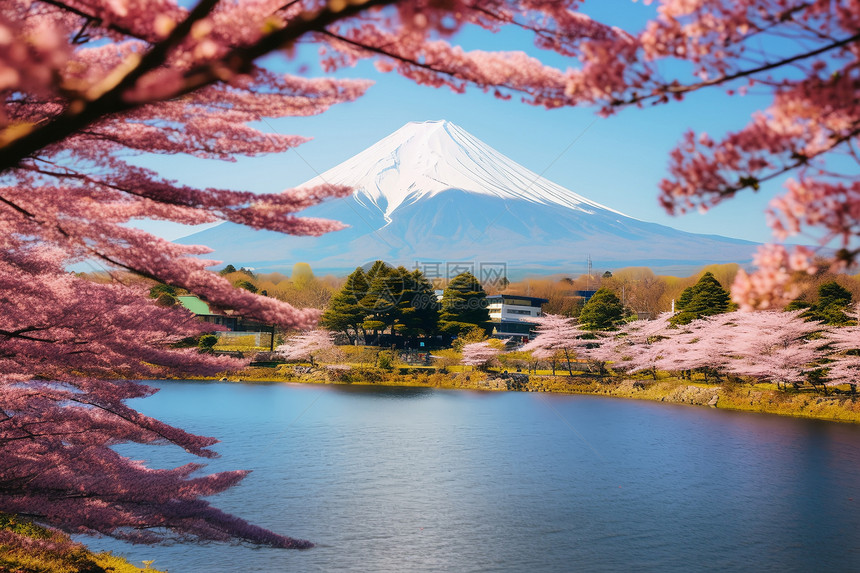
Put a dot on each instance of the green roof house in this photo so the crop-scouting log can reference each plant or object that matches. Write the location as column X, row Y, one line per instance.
column 201, row 309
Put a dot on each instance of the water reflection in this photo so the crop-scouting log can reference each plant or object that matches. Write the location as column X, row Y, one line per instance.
column 382, row 392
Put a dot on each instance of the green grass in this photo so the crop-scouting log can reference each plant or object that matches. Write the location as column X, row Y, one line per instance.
column 240, row 343
column 29, row 548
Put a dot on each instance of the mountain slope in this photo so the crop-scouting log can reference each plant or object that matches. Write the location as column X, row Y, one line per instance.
column 431, row 192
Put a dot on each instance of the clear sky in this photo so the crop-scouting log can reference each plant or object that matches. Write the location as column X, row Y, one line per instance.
column 617, row 161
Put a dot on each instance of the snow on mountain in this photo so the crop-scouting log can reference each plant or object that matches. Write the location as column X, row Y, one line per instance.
column 432, row 192
column 423, row 159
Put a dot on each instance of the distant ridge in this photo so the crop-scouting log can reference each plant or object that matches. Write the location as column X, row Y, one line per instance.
column 433, row 193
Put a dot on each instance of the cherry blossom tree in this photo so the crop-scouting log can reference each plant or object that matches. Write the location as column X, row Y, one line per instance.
column 556, row 333
column 702, row 345
column 635, row 347
column 67, row 347
column 765, row 345
column 304, row 346
column 773, row 345
column 844, row 366
column 480, row 354
column 598, row 351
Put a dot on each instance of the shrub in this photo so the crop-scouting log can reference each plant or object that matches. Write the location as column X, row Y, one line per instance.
column 385, row 360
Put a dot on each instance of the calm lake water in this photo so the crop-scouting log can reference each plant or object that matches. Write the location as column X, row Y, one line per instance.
column 385, row 479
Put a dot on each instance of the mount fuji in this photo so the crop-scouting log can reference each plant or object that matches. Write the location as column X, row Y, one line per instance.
column 431, row 192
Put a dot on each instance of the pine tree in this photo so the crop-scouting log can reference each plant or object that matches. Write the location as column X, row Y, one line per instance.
column 426, row 304
column 833, row 301
column 376, row 268
column 603, row 311
column 382, row 301
column 464, row 306
column 705, row 298
column 418, row 312
column 345, row 313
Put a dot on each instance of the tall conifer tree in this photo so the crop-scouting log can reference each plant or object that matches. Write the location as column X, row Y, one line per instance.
column 345, row 313
column 705, row 298
column 464, row 306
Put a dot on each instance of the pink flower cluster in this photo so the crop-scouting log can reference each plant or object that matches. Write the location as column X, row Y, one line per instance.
column 479, row 353
column 773, row 284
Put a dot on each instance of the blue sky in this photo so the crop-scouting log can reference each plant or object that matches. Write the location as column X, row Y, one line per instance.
column 617, row 161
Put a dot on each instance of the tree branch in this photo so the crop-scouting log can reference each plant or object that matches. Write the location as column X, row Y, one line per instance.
column 20, row 334
column 754, row 182
column 383, row 52
column 93, row 19
column 681, row 89
column 82, row 112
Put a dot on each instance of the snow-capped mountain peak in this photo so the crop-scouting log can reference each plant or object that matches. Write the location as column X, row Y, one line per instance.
column 432, row 194
column 423, row 159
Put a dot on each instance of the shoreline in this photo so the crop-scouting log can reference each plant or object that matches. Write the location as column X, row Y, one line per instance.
column 727, row 396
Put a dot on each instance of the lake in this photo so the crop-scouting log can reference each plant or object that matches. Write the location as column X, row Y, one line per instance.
column 412, row 479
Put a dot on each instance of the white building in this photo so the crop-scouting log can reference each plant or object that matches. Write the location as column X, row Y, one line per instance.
column 510, row 314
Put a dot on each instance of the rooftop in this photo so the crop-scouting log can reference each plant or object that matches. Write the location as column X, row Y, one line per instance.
column 500, row 298
column 194, row 304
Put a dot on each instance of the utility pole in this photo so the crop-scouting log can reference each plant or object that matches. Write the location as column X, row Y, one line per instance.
column 588, row 282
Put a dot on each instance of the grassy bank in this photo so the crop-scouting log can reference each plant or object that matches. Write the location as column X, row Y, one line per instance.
column 763, row 398
column 29, row 548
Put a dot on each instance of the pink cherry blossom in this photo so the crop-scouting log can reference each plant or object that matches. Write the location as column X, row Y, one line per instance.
column 562, row 335
column 304, row 346
column 479, row 354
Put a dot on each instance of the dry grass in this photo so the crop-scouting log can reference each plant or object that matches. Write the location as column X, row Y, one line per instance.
column 764, row 398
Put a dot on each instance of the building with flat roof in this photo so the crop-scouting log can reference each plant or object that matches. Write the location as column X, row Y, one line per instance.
column 510, row 314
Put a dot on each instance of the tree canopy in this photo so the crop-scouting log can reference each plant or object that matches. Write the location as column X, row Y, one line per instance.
column 603, row 311
column 419, row 308
column 705, row 298
column 345, row 312
column 398, row 300
column 463, row 306
column 831, row 306
column 382, row 301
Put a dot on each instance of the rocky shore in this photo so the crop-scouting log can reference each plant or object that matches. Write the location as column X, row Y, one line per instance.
column 730, row 396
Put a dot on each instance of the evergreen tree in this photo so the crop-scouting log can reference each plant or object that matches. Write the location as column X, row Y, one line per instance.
column 376, row 268
column 382, row 301
column 464, row 306
column 165, row 295
column 603, row 311
column 833, row 300
column 426, row 305
column 160, row 289
column 345, row 313
column 705, row 298
column 418, row 311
